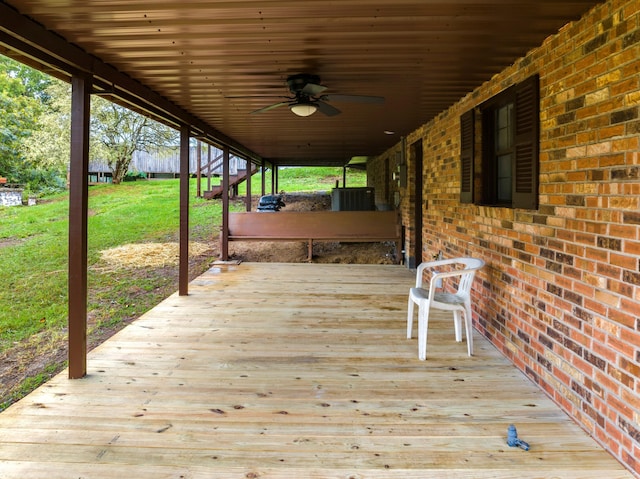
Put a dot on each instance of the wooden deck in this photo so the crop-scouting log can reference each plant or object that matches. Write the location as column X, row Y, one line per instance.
column 292, row 371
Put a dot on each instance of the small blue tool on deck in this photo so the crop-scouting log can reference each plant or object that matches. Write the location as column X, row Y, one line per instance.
column 512, row 438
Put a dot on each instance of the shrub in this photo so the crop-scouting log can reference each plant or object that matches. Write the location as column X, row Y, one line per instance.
column 40, row 182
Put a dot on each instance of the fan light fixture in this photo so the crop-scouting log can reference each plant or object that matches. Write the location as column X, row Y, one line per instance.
column 303, row 109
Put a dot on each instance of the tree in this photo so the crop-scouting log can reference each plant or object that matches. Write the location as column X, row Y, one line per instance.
column 120, row 131
column 48, row 146
column 116, row 132
column 21, row 103
column 35, row 122
column 34, row 82
column 24, row 98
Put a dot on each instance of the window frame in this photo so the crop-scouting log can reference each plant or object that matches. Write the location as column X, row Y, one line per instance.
column 525, row 98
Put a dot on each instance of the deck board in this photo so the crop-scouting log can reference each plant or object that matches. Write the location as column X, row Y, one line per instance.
column 292, row 371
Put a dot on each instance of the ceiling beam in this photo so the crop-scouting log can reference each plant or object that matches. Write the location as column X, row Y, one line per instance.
column 307, row 162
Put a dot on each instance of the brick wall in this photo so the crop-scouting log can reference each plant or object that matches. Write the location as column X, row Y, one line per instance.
column 560, row 295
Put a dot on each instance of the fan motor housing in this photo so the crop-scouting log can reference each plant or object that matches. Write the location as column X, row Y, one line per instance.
column 297, row 82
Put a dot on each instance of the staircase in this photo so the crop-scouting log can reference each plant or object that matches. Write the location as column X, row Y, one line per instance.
column 234, row 180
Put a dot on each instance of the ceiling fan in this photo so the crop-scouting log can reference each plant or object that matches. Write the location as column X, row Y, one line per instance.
column 308, row 97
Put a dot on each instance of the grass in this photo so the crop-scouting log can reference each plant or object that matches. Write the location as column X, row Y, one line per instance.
column 302, row 180
column 298, row 180
column 34, row 251
column 29, row 384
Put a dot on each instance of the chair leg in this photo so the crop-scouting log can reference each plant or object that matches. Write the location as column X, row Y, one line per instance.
column 423, row 326
column 468, row 323
column 457, row 324
column 409, row 318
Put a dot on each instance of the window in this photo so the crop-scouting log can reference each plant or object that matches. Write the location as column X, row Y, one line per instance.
column 503, row 152
column 506, row 171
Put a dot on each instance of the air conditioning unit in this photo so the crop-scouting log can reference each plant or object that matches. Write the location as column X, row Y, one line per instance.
column 353, row 199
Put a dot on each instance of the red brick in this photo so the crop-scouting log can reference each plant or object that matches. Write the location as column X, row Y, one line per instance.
column 630, row 336
column 620, row 317
column 610, row 132
column 623, row 231
column 625, row 144
column 620, row 407
column 607, row 382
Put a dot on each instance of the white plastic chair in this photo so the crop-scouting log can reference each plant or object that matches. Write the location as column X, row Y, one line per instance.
column 458, row 302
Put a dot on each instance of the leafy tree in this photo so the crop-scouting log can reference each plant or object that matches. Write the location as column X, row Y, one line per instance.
column 35, row 82
column 48, row 147
column 21, row 103
column 120, row 131
column 35, row 124
column 116, row 132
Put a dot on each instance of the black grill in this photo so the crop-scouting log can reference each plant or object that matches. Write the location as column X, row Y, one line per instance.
column 270, row 203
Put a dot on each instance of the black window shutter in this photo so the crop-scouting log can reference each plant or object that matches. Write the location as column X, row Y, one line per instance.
column 467, row 140
column 527, row 106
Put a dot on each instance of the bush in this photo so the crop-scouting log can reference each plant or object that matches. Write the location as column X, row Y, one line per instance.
column 41, row 182
column 135, row 175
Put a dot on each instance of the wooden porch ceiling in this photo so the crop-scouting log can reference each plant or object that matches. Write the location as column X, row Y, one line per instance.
column 293, row 371
column 221, row 60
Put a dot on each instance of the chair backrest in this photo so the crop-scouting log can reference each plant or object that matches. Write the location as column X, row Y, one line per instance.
column 471, row 265
column 466, row 273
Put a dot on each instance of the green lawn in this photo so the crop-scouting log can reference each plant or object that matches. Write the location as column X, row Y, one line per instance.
column 35, row 252
column 317, row 179
column 300, row 180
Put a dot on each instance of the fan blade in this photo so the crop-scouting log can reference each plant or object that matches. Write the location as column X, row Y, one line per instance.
column 233, row 97
column 270, row 107
column 312, row 89
column 354, row 98
column 327, row 109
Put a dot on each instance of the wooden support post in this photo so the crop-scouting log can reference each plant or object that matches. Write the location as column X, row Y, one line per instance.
column 263, row 167
column 224, row 246
column 209, row 167
column 183, row 282
column 199, row 169
column 274, row 179
column 78, row 208
column 248, row 183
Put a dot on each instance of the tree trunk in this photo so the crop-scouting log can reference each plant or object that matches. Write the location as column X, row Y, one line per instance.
column 120, row 169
